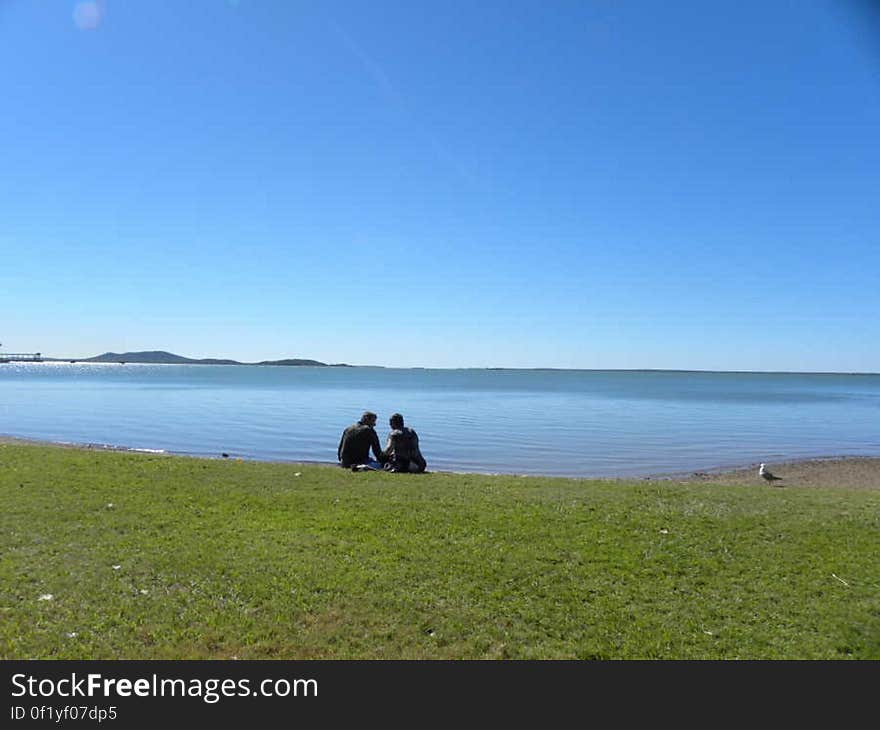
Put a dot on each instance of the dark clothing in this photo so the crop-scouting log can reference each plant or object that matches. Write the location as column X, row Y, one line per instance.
column 402, row 451
column 355, row 444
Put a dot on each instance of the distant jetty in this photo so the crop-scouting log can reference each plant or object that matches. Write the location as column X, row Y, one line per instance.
column 21, row 357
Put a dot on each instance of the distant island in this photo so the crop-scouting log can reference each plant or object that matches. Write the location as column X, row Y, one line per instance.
column 160, row 357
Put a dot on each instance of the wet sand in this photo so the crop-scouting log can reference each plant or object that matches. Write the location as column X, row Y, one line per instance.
column 851, row 472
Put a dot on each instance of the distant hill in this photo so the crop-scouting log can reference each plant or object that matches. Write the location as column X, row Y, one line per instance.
column 160, row 357
column 155, row 357
column 293, row 361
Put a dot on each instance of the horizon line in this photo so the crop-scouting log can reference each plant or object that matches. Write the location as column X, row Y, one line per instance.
column 482, row 367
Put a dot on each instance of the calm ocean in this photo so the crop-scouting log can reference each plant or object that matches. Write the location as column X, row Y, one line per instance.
column 573, row 423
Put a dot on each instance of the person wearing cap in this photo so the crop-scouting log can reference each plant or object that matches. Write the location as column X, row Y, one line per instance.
column 402, row 453
column 356, row 442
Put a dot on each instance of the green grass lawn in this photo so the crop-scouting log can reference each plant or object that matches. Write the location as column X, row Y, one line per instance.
column 169, row 557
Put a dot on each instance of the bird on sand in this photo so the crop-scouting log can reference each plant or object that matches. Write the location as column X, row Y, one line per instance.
column 767, row 476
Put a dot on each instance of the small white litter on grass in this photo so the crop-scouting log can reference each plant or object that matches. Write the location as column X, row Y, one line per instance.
column 664, row 531
column 298, row 474
column 71, row 634
column 110, row 505
column 840, row 579
column 144, row 591
column 116, row 567
column 46, row 597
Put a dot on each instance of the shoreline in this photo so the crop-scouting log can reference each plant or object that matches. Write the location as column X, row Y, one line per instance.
column 845, row 472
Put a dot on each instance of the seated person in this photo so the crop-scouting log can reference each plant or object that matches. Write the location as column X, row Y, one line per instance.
column 402, row 451
column 356, row 442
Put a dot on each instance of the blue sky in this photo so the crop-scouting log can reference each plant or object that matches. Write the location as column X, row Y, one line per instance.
column 593, row 184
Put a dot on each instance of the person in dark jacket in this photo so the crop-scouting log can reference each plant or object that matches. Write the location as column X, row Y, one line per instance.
column 356, row 442
column 402, row 453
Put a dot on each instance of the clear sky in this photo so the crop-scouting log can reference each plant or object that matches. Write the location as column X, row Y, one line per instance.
column 590, row 184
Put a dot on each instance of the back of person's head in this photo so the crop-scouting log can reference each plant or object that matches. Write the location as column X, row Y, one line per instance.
column 396, row 420
column 368, row 418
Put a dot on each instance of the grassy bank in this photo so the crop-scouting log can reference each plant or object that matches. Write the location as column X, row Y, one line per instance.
column 161, row 557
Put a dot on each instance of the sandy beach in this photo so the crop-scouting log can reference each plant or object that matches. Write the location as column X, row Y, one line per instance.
column 852, row 472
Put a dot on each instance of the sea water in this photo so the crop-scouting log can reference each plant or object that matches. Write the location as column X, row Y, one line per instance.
column 555, row 422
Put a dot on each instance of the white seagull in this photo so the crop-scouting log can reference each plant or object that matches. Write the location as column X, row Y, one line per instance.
column 767, row 476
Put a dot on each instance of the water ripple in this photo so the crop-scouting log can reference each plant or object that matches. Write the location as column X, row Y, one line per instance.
column 531, row 422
